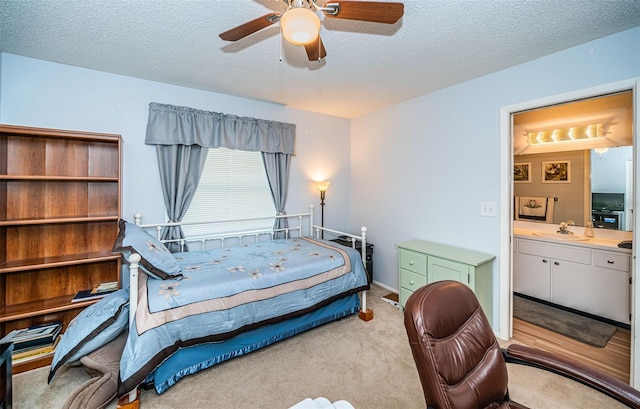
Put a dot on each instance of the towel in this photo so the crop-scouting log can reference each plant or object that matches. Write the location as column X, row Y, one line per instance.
column 534, row 208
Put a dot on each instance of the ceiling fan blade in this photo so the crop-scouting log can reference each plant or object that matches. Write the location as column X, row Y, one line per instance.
column 379, row 12
column 250, row 27
column 315, row 50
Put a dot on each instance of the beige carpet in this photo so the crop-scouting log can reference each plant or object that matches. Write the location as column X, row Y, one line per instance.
column 366, row 363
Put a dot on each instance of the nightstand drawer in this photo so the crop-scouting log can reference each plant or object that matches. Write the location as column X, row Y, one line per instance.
column 412, row 261
column 412, row 281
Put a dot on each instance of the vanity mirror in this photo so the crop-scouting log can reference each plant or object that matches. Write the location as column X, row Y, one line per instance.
column 577, row 157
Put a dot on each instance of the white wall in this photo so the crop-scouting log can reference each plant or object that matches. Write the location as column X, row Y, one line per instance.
column 43, row 94
column 421, row 168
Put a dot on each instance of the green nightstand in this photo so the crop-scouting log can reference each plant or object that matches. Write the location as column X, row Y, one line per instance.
column 421, row 263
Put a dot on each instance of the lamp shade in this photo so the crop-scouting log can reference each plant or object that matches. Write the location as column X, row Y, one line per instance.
column 300, row 26
column 323, row 186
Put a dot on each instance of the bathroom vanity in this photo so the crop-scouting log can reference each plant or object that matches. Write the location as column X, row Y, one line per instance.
column 592, row 275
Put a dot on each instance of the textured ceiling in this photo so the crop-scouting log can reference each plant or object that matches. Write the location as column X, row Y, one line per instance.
column 436, row 44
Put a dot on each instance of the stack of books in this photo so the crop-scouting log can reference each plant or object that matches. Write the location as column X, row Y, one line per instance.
column 96, row 292
column 34, row 342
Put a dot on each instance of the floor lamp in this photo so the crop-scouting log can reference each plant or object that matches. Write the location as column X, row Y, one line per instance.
column 322, row 187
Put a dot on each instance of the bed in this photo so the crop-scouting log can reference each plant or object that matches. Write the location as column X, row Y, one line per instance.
column 230, row 295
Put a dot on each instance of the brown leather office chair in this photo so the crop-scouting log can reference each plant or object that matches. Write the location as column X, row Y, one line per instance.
column 460, row 363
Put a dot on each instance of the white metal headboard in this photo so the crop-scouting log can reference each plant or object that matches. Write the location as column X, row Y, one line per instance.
column 238, row 236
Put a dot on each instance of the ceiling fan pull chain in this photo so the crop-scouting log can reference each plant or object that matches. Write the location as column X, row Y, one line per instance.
column 280, row 44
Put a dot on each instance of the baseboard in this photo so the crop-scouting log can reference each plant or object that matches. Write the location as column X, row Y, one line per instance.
column 386, row 287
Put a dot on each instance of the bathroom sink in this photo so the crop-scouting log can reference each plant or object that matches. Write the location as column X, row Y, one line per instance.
column 560, row 236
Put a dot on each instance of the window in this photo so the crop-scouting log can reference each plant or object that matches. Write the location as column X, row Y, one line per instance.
column 233, row 185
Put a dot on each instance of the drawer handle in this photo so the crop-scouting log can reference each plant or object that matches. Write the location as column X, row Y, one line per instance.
column 610, row 261
column 545, row 261
column 411, row 263
column 411, row 282
column 555, row 263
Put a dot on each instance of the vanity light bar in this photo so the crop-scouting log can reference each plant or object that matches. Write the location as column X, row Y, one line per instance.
column 566, row 134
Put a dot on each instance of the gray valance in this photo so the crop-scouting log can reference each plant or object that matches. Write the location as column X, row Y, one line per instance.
column 176, row 125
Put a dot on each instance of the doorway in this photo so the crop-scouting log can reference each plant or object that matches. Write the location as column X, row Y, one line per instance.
column 506, row 202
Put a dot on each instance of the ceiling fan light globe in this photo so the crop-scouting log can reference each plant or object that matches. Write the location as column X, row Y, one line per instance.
column 300, row 26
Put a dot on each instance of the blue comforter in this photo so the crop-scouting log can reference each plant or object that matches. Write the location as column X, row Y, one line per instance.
column 225, row 292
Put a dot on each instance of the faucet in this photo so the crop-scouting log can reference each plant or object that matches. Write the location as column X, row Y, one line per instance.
column 564, row 227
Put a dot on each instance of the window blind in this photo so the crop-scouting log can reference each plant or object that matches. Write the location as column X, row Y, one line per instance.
column 233, row 185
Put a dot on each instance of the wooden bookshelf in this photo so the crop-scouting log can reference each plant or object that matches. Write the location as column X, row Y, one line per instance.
column 60, row 204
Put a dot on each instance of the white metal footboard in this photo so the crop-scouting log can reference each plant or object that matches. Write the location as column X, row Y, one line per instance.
column 365, row 313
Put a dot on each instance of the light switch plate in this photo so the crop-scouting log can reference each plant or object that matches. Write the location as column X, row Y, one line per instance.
column 488, row 209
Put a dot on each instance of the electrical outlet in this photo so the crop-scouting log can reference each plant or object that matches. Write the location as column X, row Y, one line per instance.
column 488, row 209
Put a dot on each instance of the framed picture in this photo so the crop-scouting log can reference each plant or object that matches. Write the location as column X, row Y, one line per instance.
column 556, row 172
column 522, row 172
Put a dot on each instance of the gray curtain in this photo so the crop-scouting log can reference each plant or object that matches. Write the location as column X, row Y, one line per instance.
column 277, row 167
column 181, row 135
column 180, row 169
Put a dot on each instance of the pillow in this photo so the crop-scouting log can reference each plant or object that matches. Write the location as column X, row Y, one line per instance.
column 157, row 260
column 95, row 326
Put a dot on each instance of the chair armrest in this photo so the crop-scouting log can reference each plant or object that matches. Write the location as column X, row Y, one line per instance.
column 607, row 384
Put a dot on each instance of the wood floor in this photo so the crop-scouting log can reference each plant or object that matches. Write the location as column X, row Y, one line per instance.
column 614, row 358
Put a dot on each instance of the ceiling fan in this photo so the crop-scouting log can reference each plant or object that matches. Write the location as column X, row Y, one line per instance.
column 300, row 23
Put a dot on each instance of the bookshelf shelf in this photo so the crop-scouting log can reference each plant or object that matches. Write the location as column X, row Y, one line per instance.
column 49, row 306
column 56, row 261
column 57, row 220
column 43, row 178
